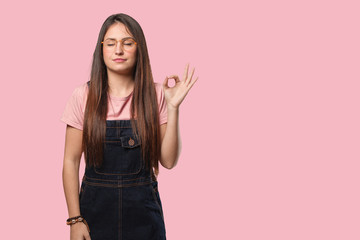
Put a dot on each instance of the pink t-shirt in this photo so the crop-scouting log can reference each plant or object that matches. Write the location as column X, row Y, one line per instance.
column 75, row 108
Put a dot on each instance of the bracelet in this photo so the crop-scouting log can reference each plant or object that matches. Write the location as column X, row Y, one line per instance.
column 73, row 220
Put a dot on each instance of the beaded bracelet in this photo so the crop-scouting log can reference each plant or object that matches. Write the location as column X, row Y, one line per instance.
column 73, row 220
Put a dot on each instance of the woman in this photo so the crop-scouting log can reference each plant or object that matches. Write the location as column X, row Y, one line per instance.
column 125, row 123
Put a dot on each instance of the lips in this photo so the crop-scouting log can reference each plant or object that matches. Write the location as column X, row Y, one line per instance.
column 119, row 60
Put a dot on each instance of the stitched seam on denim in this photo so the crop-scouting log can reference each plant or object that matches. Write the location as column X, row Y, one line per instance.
column 135, row 145
column 117, row 185
column 123, row 145
column 116, row 179
column 123, row 139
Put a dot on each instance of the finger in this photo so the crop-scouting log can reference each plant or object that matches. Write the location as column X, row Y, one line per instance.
column 175, row 77
column 186, row 72
column 165, row 83
column 192, row 73
column 87, row 237
column 193, row 82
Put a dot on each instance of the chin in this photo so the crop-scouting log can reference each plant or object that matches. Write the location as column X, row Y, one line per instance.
column 121, row 70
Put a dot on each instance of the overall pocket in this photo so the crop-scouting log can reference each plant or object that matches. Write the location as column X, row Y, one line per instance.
column 122, row 156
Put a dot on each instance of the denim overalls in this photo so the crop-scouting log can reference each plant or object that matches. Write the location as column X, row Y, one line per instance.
column 120, row 200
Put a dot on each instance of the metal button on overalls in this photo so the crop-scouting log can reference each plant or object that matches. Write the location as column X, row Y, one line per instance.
column 120, row 199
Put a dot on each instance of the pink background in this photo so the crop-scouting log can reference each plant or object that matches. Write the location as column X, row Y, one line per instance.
column 270, row 131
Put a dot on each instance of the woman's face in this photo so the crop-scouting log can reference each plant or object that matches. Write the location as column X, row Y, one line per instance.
column 118, row 31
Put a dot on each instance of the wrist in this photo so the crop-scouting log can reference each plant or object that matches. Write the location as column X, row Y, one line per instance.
column 172, row 108
column 76, row 219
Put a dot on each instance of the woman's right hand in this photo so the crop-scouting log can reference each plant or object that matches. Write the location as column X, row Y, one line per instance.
column 79, row 231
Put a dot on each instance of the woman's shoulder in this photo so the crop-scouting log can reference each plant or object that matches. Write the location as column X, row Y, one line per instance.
column 158, row 85
column 81, row 90
column 159, row 91
column 161, row 102
column 158, row 88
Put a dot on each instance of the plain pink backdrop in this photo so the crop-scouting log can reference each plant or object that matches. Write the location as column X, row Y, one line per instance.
column 270, row 131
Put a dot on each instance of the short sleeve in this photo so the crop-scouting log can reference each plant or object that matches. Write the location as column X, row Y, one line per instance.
column 162, row 103
column 73, row 114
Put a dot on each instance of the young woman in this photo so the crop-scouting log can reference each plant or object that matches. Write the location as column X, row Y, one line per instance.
column 125, row 123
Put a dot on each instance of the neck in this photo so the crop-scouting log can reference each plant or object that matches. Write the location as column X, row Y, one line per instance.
column 120, row 85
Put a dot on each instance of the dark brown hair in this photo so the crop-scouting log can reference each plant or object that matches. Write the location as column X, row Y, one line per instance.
column 144, row 103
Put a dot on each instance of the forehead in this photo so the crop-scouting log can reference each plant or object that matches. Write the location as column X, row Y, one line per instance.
column 117, row 31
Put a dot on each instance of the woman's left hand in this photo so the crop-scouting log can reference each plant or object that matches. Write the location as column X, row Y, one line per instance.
column 176, row 94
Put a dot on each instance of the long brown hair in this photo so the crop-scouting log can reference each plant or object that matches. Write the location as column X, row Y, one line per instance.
column 144, row 103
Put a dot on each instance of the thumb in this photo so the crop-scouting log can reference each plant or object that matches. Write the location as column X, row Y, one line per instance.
column 165, row 83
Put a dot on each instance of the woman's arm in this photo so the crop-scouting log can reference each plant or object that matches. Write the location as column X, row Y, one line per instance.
column 170, row 134
column 170, row 137
column 70, row 173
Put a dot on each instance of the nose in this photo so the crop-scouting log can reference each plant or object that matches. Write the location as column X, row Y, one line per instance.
column 118, row 48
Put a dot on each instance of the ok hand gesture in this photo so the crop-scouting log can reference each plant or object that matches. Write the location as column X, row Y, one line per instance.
column 176, row 94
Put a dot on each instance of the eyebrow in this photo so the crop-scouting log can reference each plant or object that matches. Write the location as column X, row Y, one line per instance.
column 121, row 39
